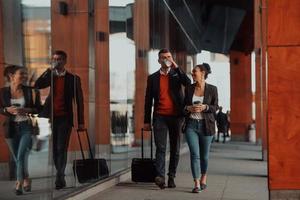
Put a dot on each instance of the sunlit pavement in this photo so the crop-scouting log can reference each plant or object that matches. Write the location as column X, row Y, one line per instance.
column 236, row 172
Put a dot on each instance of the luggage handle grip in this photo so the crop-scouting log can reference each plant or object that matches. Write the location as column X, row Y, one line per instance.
column 80, row 144
column 151, row 145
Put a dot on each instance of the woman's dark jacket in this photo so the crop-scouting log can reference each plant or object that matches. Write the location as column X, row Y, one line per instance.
column 5, row 97
column 211, row 99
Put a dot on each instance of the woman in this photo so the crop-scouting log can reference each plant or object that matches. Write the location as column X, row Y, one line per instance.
column 201, row 102
column 16, row 102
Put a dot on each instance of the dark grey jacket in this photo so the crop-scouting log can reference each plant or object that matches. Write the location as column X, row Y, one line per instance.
column 211, row 99
column 5, row 97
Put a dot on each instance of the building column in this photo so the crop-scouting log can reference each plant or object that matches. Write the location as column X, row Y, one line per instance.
column 141, row 38
column 283, row 46
column 4, row 155
column 12, row 32
column 102, row 82
column 241, row 95
column 70, row 33
column 260, row 75
column 181, row 59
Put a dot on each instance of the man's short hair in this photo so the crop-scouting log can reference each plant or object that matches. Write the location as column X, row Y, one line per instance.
column 164, row 50
column 60, row 53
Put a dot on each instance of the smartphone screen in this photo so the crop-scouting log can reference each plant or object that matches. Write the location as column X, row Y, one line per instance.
column 197, row 102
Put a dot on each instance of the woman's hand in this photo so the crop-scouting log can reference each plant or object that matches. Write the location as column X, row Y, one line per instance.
column 23, row 111
column 196, row 108
column 13, row 110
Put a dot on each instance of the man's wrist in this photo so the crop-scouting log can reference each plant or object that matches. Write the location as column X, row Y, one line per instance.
column 4, row 110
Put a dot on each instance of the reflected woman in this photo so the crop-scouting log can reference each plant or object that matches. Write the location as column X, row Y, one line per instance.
column 16, row 102
column 201, row 102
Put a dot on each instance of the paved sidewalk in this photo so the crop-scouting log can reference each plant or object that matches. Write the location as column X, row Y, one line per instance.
column 236, row 172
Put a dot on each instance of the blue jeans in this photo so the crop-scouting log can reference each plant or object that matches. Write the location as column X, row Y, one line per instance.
column 162, row 126
column 21, row 144
column 199, row 146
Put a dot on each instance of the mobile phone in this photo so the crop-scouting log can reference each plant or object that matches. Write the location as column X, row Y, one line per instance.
column 197, row 102
column 16, row 104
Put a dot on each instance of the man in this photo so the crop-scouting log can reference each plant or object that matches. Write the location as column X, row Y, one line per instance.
column 222, row 124
column 65, row 88
column 165, row 87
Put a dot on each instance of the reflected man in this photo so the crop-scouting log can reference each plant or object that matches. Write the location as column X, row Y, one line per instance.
column 65, row 88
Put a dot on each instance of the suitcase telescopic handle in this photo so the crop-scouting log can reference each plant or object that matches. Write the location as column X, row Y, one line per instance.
column 88, row 139
column 151, row 145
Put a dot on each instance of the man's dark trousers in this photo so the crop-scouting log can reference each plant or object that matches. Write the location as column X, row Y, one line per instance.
column 61, row 135
column 161, row 126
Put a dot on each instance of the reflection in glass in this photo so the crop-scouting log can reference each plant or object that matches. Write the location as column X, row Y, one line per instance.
column 122, row 81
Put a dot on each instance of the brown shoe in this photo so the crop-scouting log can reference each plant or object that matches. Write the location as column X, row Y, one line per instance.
column 160, row 182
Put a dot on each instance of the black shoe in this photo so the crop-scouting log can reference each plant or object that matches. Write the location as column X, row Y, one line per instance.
column 196, row 190
column 203, row 186
column 60, row 183
column 171, row 182
column 27, row 188
column 160, row 182
column 18, row 190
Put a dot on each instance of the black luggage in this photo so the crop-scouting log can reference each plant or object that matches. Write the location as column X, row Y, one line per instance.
column 143, row 169
column 91, row 169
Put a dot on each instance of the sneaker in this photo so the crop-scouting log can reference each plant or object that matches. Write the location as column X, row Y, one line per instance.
column 160, row 182
column 171, row 182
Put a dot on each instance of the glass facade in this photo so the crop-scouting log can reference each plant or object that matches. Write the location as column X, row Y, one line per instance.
column 137, row 30
column 122, row 81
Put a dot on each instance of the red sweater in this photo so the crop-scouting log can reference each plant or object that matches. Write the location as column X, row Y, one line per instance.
column 58, row 96
column 165, row 104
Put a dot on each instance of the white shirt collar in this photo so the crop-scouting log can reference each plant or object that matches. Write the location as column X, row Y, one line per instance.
column 63, row 73
column 163, row 73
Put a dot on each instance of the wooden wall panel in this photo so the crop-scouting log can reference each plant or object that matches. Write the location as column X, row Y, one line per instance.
column 4, row 155
column 241, row 95
column 283, row 22
column 283, row 94
column 70, row 33
column 284, row 117
column 102, row 82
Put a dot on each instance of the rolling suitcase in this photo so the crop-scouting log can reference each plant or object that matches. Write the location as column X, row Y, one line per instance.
column 143, row 169
column 91, row 169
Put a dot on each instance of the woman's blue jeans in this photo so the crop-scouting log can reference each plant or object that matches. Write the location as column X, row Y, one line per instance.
column 199, row 146
column 21, row 145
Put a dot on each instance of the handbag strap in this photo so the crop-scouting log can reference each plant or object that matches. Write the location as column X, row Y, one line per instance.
column 31, row 115
column 33, row 96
